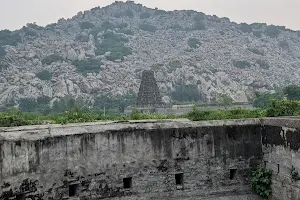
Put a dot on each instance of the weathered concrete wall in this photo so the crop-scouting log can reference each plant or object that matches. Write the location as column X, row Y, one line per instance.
column 90, row 161
column 281, row 143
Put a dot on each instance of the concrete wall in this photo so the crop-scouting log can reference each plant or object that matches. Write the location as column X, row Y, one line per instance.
column 90, row 161
column 281, row 143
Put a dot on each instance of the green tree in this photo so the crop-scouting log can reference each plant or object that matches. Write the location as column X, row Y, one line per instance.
column 187, row 93
column 272, row 31
column 115, row 43
column 148, row 27
column 199, row 25
column 246, row 28
column 242, row 64
column 292, row 92
column 44, row 75
column 2, row 52
column 263, row 100
column 28, row 104
column 66, row 103
column 283, row 108
column 145, row 15
column 86, row 25
column 87, row 66
column 52, row 58
column 9, row 38
column 225, row 100
column 194, row 43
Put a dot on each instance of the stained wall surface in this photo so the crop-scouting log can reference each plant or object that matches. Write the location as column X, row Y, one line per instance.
column 281, row 143
column 130, row 160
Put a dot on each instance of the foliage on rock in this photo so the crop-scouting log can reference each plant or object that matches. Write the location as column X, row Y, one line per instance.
column 86, row 25
column 283, row 108
column 44, row 75
column 115, row 44
column 242, row 64
column 194, row 43
column 261, row 182
column 294, row 174
column 148, row 27
column 52, row 58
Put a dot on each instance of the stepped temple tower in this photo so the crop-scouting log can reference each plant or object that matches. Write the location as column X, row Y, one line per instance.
column 149, row 95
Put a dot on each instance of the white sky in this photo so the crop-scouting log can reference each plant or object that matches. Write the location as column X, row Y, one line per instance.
column 16, row 13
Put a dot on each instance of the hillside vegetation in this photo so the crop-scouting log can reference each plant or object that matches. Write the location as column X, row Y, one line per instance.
column 99, row 54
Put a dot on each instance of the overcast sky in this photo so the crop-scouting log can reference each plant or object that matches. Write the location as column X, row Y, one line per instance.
column 16, row 13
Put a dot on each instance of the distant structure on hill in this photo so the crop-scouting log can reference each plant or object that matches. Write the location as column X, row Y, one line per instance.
column 149, row 95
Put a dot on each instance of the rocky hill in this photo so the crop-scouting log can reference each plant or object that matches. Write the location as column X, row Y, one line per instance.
column 104, row 50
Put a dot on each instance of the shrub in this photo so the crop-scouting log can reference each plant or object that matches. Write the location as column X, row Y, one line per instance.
column 87, row 66
column 283, row 108
column 160, row 12
column 284, row 44
column 257, row 34
column 263, row 100
column 175, row 27
column 44, row 75
column 28, row 104
column 263, row 64
column 117, row 102
column 194, row 43
column 43, row 100
column 9, row 38
column 3, row 65
column 129, row 13
column 147, row 27
column 82, row 38
column 52, row 58
column 199, row 25
column 86, row 25
column 95, row 31
column 29, row 32
column 294, row 174
column 114, row 43
column 261, row 181
column 127, row 31
column 174, row 64
column 2, row 52
column 122, row 25
column 145, row 15
column 246, row 28
column 256, row 51
column 292, row 92
column 199, row 17
column 241, row 64
column 200, row 115
column 225, row 100
column 107, row 26
column 272, row 31
column 14, row 119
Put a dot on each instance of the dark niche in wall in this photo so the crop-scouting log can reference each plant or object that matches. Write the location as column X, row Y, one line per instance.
column 73, row 190
column 20, row 197
column 127, row 182
column 233, row 173
column 179, row 180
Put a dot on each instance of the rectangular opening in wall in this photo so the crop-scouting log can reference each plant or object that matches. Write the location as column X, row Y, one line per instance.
column 73, row 189
column 179, row 179
column 233, row 174
column 127, row 182
column 20, row 197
